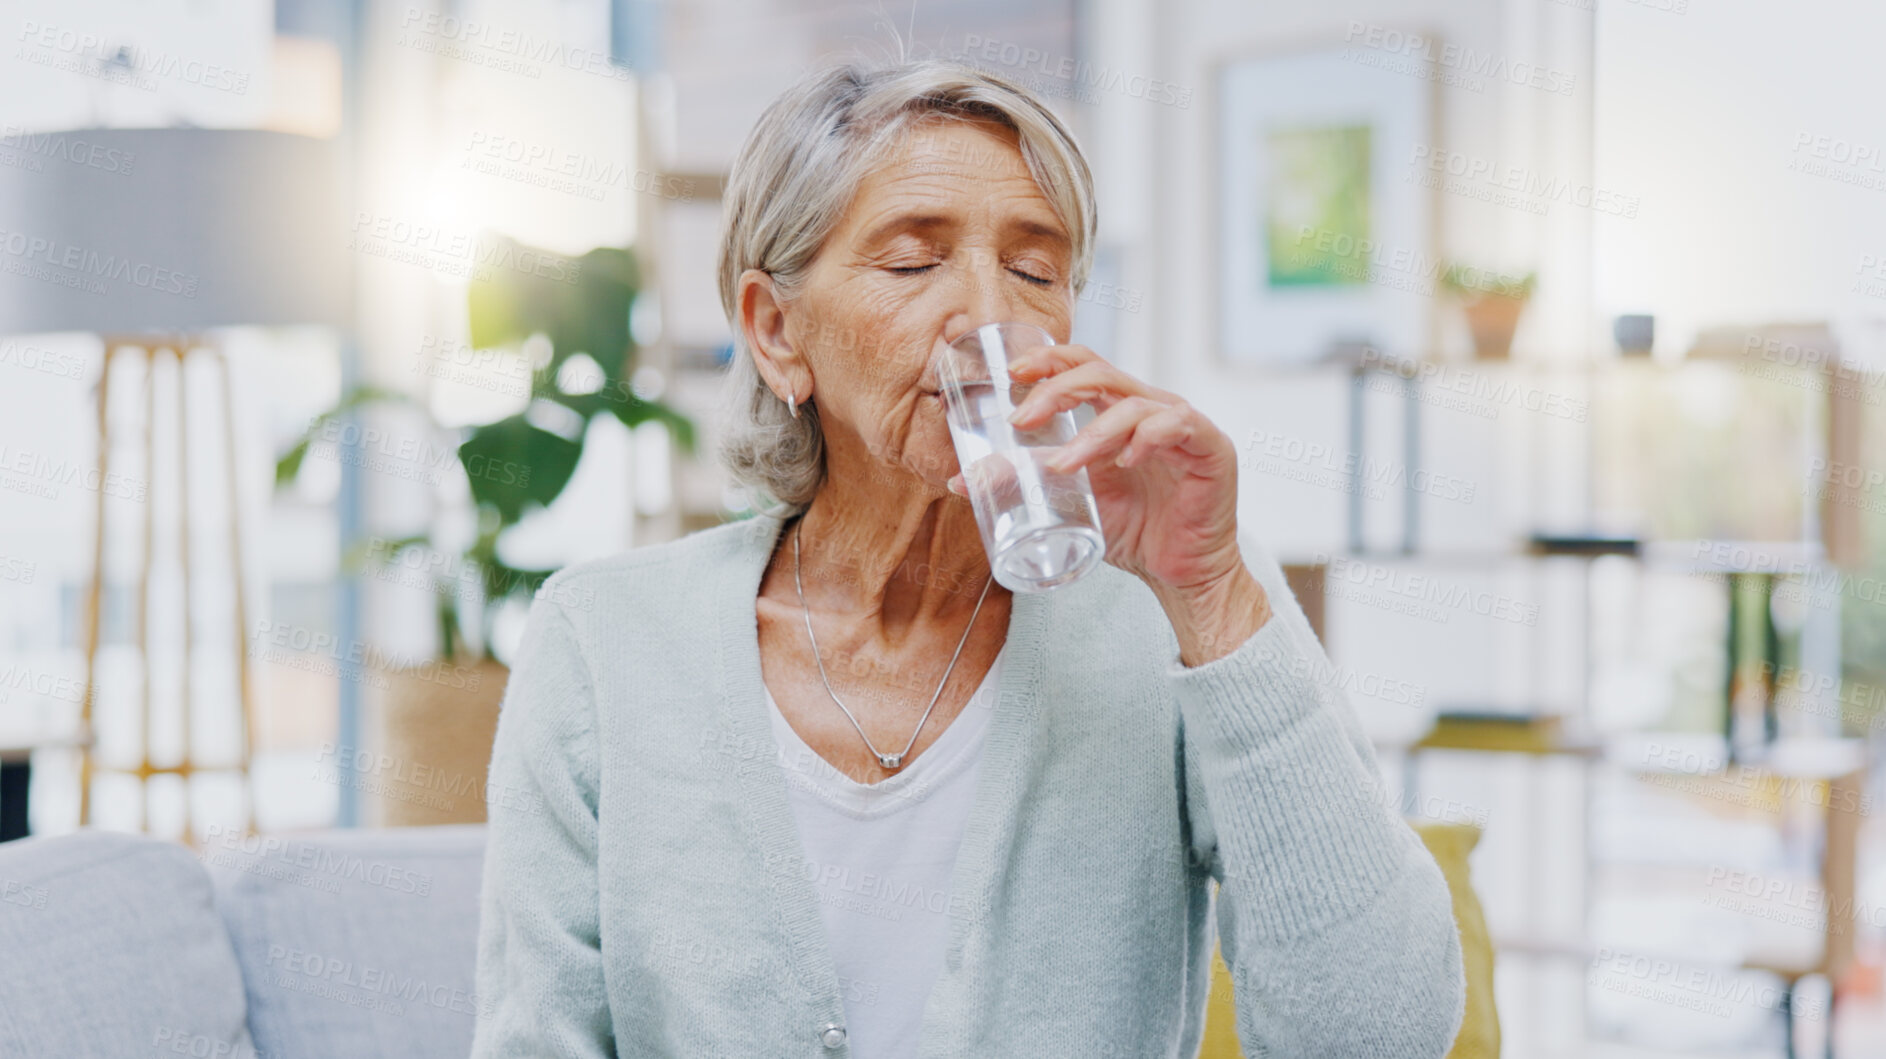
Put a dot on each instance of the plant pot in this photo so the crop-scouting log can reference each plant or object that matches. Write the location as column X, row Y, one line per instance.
column 1493, row 319
column 431, row 729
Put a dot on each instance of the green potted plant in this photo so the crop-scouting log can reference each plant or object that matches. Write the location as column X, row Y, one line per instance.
column 1493, row 302
column 443, row 716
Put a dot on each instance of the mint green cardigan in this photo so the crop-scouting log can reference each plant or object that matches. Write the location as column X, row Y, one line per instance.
column 642, row 894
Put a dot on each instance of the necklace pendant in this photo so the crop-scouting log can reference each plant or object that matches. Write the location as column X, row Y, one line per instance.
column 890, row 762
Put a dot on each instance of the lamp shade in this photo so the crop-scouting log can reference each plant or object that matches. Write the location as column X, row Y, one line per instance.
column 155, row 230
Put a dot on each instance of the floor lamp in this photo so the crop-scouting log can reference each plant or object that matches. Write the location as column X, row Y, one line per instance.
column 174, row 234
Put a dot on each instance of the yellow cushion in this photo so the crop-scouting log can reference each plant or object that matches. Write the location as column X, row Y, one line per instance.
column 1479, row 1036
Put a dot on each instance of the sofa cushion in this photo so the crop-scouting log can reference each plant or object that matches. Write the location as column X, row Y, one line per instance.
column 110, row 944
column 355, row 942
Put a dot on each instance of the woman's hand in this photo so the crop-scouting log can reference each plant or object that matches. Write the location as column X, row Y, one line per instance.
column 1166, row 480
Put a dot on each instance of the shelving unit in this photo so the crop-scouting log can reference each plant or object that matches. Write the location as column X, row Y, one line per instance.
column 1569, row 733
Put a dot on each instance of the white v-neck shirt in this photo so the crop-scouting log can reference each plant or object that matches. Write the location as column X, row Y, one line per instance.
column 880, row 856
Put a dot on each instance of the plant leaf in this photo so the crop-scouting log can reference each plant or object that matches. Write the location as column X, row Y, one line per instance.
column 289, row 466
column 512, row 464
column 633, row 411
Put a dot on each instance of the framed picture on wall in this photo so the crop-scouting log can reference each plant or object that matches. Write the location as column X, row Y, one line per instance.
column 1323, row 243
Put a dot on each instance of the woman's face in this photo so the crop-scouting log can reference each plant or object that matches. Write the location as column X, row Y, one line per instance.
column 949, row 233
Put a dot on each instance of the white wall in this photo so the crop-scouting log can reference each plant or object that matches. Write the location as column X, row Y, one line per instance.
column 1156, row 175
column 1755, row 135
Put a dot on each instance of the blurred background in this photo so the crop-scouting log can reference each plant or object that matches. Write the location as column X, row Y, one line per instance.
column 1552, row 334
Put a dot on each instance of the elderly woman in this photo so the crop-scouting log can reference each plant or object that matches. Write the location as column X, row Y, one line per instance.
column 810, row 784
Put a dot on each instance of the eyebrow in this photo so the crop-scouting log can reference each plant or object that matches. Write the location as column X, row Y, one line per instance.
column 1046, row 231
column 902, row 222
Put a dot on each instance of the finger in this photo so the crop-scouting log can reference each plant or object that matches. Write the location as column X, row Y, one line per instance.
column 1108, row 433
column 955, row 485
column 1176, row 429
column 1096, row 382
column 1048, row 360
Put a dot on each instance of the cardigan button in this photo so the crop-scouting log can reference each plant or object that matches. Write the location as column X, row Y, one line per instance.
column 833, row 1035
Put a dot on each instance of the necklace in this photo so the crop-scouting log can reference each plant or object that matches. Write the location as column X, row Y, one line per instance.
column 889, row 761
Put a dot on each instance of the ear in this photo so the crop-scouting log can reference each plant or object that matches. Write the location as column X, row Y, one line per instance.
column 763, row 321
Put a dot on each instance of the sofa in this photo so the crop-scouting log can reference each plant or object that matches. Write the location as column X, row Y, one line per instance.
column 357, row 942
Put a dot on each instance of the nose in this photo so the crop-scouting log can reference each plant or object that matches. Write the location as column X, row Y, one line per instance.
column 978, row 294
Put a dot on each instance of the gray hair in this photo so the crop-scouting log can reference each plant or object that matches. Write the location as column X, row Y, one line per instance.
column 790, row 185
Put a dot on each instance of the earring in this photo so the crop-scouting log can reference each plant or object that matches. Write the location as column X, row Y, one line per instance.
column 792, row 405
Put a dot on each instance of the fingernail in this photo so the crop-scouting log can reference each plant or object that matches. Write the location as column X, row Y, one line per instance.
column 1017, row 415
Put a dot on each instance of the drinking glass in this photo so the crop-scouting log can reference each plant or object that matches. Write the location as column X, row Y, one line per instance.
column 1041, row 529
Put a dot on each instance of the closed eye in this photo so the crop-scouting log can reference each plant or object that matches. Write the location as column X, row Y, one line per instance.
column 911, row 270
column 1036, row 280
